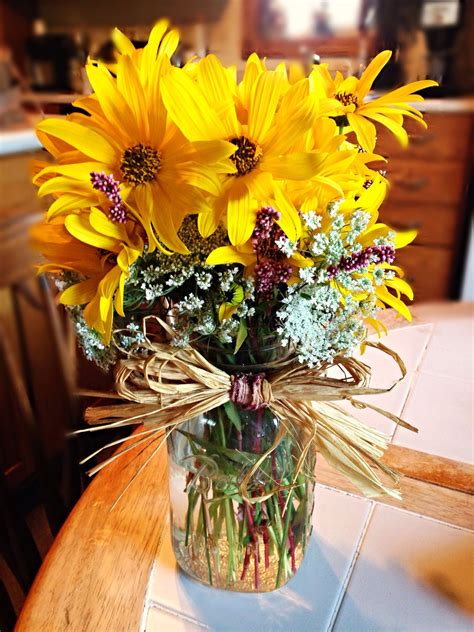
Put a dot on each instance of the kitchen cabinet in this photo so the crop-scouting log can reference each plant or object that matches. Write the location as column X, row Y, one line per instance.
column 429, row 187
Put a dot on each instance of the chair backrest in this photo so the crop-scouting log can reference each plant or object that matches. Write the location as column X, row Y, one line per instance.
column 37, row 382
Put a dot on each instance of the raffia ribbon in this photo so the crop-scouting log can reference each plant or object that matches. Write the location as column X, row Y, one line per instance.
column 169, row 386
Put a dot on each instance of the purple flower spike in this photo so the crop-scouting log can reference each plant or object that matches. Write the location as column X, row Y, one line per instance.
column 371, row 254
column 269, row 274
column 108, row 185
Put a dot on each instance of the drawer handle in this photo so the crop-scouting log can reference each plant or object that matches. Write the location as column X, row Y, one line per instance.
column 413, row 184
column 422, row 139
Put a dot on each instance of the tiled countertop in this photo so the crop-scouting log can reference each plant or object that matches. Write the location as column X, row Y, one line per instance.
column 370, row 566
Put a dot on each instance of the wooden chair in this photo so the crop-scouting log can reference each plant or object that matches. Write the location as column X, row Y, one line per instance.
column 37, row 376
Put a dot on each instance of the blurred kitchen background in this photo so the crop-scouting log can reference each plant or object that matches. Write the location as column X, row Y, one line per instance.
column 43, row 47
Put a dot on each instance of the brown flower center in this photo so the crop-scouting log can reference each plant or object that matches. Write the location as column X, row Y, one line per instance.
column 247, row 156
column 347, row 98
column 140, row 164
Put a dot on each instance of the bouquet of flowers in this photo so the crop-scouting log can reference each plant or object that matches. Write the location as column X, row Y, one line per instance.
column 217, row 242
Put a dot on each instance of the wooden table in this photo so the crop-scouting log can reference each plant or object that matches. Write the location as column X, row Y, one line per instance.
column 98, row 577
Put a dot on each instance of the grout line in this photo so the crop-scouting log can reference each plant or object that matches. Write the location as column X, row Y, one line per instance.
column 178, row 615
column 348, row 576
column 424, row 517
column 415, row 377
column 148, row 599
column 379, row 503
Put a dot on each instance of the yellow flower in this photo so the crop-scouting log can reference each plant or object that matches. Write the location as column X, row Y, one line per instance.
column 263, row 118
column 127, row 134
column 359, row 114
column 97, row 249
column 246, row 256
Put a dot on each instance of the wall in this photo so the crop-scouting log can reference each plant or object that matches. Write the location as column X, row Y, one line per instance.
column 79, row 13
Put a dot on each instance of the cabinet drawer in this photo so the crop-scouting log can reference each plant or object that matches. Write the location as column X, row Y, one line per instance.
column 447, row 138
column 428, row 270
column 427, row 184
column 436, row 225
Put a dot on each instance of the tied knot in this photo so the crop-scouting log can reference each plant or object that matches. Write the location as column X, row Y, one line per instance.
column 250, row 391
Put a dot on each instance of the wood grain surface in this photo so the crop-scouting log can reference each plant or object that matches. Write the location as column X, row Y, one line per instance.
column 95, row 576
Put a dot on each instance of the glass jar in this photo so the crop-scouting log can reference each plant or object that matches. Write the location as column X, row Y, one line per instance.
column 241, row 489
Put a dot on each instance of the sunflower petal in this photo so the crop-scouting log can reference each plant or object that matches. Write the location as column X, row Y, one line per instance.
column 397, row 130
column 189, row 109
column 150, row 51
column 85, row 140
column 79, row 227
column 241, row 215
column 290, row 221
column 131, row 88
column 122, row 43
column 371, row 72
column 78, row 171
column 264, row 100
column 80, row 293
column 67, row 203
column 209, row 221
column 403, row 238
column 400, row 285
column 364, row 131
column 115, row 107
column 214, row 81
column 164, row 220
column 229, row 254
column 384, row 295
column 102, row 224
column 296, row 166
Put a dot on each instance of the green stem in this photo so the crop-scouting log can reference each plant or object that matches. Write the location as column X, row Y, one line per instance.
column 206, row 540
column 189, row 514
column 229, row 522
column 284, row 539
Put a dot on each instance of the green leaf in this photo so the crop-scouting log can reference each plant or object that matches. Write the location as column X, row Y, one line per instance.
column 235, row 456
column 233, row 414
column 241, row 335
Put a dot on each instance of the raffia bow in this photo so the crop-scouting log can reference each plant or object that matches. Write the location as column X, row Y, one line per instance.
column 167, row 386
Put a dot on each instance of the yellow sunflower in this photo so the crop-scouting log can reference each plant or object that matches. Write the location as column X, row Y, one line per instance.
column 358, row 112
column 98, row 249
column 263, row 118
column 127, row 134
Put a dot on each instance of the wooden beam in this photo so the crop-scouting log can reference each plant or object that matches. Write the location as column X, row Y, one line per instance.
column 421, row 497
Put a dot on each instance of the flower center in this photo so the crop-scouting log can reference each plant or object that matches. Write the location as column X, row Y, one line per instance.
column 140, row 164
column 347, row 98
column 247, row 156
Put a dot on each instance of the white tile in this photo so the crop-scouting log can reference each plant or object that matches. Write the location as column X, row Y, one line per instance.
column 451, row 348
column 450, row 359
column 442, row 410
column 410, row 344
column 384, row 594
column 306, row 603
column 160, row 620
column 451, row 321
column 392, row 402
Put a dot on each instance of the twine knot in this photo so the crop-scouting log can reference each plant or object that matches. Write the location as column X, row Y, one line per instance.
column 250, row 391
